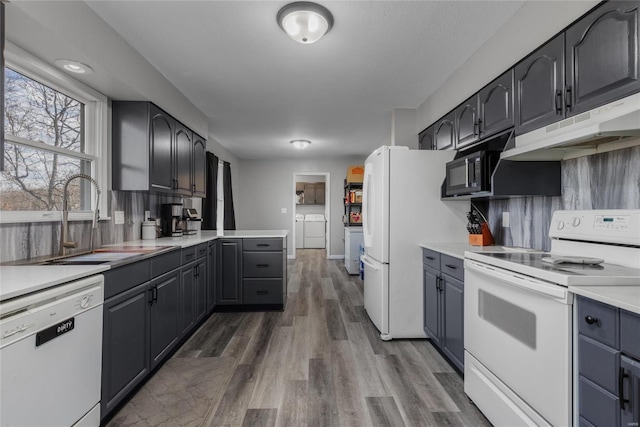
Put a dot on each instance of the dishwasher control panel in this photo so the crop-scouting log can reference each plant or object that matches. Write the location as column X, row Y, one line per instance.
column 49, row 313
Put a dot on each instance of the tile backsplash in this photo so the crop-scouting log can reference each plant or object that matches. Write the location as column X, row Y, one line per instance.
column 38, row 239
column 603, row 181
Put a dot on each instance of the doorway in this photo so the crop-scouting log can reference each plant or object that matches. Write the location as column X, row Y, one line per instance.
column 305, row 202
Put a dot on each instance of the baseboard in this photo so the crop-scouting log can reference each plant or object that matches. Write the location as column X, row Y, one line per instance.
column 335, row 257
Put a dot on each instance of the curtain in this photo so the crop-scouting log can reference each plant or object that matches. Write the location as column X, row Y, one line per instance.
column 210, row 203
column 229, row 213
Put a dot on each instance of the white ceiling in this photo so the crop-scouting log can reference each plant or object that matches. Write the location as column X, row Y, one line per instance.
column 260, row 89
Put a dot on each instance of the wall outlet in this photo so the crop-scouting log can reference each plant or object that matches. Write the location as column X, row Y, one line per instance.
column 118, row 217
column 283, row 210
column 505, row 219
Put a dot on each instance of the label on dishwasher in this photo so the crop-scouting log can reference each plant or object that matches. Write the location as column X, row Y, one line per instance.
column 55, row 331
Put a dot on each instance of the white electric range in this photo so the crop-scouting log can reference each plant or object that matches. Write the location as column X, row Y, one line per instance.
column 518, row 314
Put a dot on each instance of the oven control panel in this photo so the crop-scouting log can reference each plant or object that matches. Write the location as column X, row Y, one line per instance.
column 620, row 226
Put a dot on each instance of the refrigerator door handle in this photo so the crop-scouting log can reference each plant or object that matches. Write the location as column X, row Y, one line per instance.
column 365, row 260
column 366, row 220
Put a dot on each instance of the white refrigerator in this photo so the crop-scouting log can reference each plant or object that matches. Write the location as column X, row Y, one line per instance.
column 401, row 209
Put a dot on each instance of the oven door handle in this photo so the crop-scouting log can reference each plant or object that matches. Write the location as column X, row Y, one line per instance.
column 556, row 292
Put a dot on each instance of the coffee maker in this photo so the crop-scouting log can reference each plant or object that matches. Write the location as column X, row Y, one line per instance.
column 171, row 216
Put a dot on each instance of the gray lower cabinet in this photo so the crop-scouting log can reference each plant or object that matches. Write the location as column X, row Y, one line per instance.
column 212, row 275
column 163, row 302
column 443, row 304
column 608, row 370
column 230, row 272
column 125, row 343
column 201, row 278
column 193, row 287
column 187, row 298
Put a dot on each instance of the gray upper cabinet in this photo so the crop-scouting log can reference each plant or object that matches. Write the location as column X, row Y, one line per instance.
column 539, row 87
column 154, row 152
column 425, row 139
column 161, row 146
column 184, row 150
column 602, row 51
column 199, row 168
column 496, row 105
column 444, row 134
column 467, row 122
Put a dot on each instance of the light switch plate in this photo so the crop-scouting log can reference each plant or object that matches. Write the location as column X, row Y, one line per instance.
column 118, row 217
column 284, row 210
column 505, row 219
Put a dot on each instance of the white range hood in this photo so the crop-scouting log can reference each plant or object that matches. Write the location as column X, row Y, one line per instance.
column 613, row 126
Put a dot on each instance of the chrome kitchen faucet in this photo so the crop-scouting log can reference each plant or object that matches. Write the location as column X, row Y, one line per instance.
column 64, row 244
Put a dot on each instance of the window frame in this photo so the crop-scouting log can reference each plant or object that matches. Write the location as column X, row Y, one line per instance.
column 95, row 133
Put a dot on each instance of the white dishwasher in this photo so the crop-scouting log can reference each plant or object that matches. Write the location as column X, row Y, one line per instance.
column 51, row 356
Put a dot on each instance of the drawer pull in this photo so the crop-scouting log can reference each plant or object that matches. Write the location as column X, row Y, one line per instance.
column 621, row 376
column 430, row 258
column 263, row 245
column 262, row 292
column 451, row 266
column 262, row 265
column 591, row 320
column 189, row 256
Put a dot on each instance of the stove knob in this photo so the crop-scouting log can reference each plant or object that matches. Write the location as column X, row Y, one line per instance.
column 560, row 225
column 576, row 221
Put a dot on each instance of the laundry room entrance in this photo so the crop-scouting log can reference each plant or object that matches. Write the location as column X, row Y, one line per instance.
column 311, row 211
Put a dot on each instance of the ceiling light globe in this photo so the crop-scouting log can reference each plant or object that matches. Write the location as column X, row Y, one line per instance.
column 300, row 144
column 305, row 22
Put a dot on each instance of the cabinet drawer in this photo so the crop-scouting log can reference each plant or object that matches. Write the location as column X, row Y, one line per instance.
column 262, row 264
column 629, row 331
column 598, row 321
column 598, row 406
column 163, row 263
column 262, row 244
column 188, row 254
column 202, row 250
column 126, row 277
column 262, row 291
column 452, row 266
column 598, row 363
column 431, row 258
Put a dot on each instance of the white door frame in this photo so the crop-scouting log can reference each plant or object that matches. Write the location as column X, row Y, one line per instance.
column 327, row 208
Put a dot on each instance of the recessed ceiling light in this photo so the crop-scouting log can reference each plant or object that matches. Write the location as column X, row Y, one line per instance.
column 300, row 144
column 74, row 66
column 305, row 22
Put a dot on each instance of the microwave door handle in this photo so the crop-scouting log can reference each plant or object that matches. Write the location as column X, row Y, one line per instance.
column 466, row 173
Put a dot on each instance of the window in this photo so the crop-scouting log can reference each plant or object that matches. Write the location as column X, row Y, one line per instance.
column 54, row 127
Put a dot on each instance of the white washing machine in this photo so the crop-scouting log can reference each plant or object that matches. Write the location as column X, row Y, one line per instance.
column 299, row 231
column 314, row 231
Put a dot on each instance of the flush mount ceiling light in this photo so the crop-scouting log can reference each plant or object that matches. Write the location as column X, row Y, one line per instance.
column 300, row 144
column 74, row 66
column 305, row 22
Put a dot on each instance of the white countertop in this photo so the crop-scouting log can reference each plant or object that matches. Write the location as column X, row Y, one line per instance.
column 626, row 297
column 458, row 249
column 21, row 280
column 205, row 236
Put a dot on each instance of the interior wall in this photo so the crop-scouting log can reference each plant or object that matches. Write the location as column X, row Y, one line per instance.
column 403, row 127
column 532, row 25
column 266, row 188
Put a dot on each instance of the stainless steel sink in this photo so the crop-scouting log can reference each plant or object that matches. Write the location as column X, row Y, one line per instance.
column 113, row 255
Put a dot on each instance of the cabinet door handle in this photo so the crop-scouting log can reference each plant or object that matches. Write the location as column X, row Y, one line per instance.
column 155, row 294
column 559, row 101
column 621, row 376
column 430, row 258
column 262, row 265
column 591, row 320
column 475, row 128
column 568, row 98
column 451, row 266
column 151, row 296
column 263, row 245
column 262, row 292
column 480, row 125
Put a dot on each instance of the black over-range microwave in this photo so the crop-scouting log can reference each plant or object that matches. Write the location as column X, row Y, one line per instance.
column 470, row 174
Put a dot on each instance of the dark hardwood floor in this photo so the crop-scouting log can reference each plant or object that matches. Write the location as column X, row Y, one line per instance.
column 319, row 363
